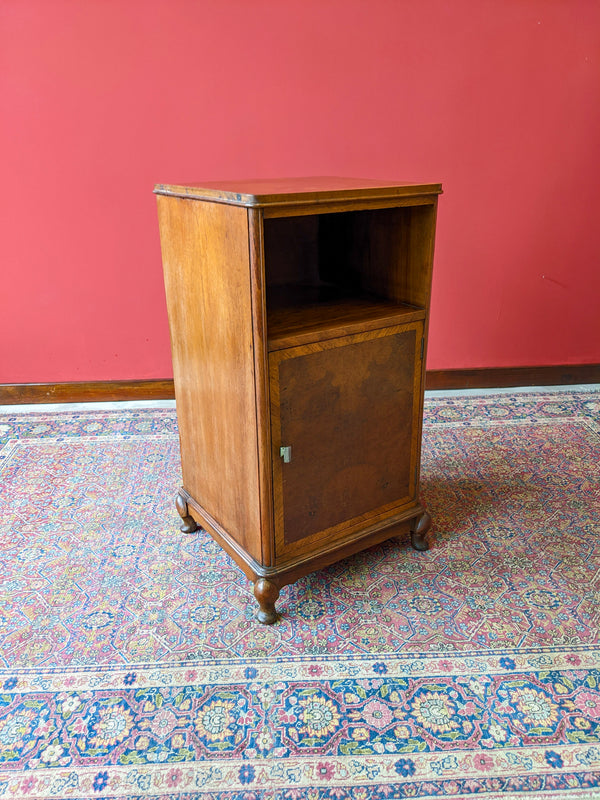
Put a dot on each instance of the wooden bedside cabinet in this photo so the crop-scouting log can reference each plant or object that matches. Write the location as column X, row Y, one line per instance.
column 298, row 312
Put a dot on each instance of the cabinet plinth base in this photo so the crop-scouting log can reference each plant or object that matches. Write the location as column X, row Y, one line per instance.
column 269, row 580
column 189, row 523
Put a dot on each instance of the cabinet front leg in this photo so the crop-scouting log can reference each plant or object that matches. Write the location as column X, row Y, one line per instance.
column 189, row 523
column 420, row 536
column 266, row 593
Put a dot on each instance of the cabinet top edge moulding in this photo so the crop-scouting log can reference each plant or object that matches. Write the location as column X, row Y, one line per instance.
column 295, row 193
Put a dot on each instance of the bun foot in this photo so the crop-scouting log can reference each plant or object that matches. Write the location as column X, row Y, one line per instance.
column 420, row 535
column 189, row 523
column 266, row 594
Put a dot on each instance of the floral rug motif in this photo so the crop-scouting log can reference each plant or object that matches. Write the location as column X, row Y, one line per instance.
column 131, row 665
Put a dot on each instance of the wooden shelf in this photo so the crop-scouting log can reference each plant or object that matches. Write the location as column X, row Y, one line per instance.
column 295, row 323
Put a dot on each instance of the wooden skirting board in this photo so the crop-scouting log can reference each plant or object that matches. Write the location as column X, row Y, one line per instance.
column 503, row 377
column 113, row 391
column 85, row 392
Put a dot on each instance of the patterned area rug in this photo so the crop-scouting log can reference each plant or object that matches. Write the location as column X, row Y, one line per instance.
column 132, row 666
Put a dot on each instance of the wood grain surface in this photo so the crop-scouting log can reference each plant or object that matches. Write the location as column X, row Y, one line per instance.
column 348, row 408
column 208, row 287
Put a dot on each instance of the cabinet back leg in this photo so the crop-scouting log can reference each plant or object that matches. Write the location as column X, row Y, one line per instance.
column 420, row 536
column 189, row 523
column 266, row 593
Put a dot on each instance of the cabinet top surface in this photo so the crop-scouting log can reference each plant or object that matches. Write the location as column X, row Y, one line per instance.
column 289, row 191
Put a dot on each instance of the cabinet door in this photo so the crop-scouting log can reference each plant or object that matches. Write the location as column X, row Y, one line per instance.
column 345, row 429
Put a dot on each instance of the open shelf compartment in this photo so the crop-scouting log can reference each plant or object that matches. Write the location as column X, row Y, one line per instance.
column 333, row 274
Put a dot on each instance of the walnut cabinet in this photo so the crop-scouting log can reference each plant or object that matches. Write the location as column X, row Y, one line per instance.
column 298, row 313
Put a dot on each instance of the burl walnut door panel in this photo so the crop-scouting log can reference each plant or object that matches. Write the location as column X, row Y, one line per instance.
column 345, row 423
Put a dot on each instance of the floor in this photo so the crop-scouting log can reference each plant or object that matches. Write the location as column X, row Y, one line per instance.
column 131, row 665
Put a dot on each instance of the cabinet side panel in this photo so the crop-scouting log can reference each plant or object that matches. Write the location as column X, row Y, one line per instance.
column 400, row 253
column 387, row 252
column 420, row 263
column 207, row 282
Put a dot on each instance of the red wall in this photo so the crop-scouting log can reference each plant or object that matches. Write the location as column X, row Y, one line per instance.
column 103, row 98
